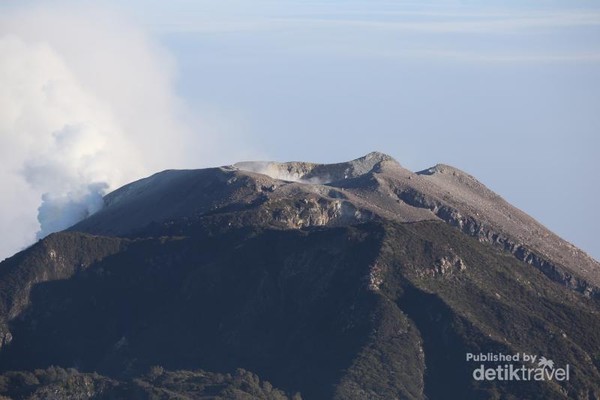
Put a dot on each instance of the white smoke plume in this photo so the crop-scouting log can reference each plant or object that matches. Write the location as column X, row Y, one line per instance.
column 86, row 105
column 283, row 171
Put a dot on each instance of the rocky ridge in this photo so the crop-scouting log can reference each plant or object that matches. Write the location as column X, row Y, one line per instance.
column 299, row 195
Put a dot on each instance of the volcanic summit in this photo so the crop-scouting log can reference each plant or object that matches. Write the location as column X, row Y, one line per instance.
column 267, row 280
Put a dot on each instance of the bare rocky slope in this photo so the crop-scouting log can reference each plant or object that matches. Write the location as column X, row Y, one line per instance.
column 299, row 195
column 358, row 280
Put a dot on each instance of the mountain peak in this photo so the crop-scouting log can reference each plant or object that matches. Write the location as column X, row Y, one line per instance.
column 441, row 169
column 298, row 195
column 454, row 179
column 336, row 281
column 313, row 173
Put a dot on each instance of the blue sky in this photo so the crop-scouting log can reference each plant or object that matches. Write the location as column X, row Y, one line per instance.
column 507, row 91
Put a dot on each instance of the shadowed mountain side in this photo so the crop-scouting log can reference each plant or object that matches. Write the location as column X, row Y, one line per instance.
column 213, row 302
column 57, row 383
column 372, row 311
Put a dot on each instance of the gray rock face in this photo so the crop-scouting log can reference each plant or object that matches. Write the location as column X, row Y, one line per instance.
column 315, row 173
column 298, row 195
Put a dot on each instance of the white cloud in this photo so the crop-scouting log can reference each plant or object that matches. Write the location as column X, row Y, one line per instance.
column 400, row 18
column 491, row 23
column 402, row 31
column 86, row 105
column 481, row 57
